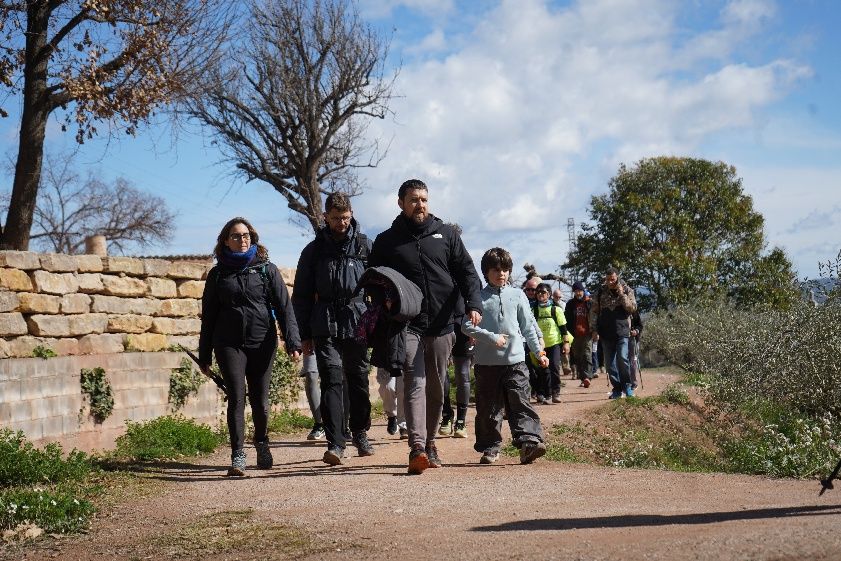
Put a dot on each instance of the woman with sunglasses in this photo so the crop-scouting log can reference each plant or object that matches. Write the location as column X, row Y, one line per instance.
column 244, row 299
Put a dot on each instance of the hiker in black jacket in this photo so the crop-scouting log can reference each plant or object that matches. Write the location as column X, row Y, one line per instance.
column 429, row 253
column 328, row 272
column 244, row 295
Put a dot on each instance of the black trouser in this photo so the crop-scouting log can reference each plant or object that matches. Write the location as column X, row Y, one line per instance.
column 252, row 366
column 504, row 385
column 340, row 362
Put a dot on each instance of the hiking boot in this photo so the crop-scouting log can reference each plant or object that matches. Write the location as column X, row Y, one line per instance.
column 360, row 440
column 333, row 456
column 615, row 394
column 264, row 455
column 459, row 430
column 391, row 428
column 542, row 400
column 530, row 451
column 432, row 455
column 585, row 382
column 237, row 468
column 404, row 432
column 489, row 457
column 418, row 460
column 556, row 398
column 317, row 433
column 446, row 428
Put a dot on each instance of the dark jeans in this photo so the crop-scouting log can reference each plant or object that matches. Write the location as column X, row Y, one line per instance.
column 493, row 385
column 549, row 378
column 251, row 366
column 581, row 353
column 343, row 362
column 461, row 367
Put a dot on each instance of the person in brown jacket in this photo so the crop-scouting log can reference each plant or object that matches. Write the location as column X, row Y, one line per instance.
column 610, row 322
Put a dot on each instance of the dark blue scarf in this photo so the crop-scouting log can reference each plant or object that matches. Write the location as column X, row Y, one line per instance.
column 237, row 259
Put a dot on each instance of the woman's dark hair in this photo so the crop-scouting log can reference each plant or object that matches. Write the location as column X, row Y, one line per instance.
column 262, row 252
column 544, row 286
column 496, row 258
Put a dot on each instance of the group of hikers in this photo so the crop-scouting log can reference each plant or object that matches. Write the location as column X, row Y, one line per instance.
column 414, row 298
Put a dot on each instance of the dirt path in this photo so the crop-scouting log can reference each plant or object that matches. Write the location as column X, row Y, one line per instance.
column 369, row 508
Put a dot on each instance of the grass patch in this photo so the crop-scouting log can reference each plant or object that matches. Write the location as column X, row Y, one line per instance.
column 288, row 421
column 232, row 531
column 165, row 438
column 42, row 487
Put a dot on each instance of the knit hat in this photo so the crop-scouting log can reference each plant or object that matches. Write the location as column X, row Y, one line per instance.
column 578, row 285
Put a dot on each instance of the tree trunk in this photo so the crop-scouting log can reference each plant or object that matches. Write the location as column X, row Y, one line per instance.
column 33, row 125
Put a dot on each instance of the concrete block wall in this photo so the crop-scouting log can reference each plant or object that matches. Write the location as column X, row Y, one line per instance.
column 43, row 397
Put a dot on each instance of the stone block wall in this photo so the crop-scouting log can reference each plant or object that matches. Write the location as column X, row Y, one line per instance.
column 86, row 304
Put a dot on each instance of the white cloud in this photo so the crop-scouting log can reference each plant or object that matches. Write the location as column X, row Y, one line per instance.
column 505, row 128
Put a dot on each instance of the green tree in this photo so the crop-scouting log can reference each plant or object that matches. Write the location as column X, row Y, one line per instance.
column 682, row 228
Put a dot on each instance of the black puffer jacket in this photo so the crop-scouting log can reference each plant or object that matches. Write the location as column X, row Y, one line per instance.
column 327, row 274
column 434, row 258
column 237, row 309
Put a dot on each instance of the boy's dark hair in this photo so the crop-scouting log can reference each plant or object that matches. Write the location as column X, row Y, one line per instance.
column 611, row 271
column 410, row 185
column 496, row 258
column 339, row 201
column 544, row 286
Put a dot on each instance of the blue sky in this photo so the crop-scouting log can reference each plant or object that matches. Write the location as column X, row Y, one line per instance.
column 516, row 112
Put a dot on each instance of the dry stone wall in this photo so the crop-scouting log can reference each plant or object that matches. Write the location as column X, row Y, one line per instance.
column 86, row 304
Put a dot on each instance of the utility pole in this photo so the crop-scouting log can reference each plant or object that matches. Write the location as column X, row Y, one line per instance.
column 573, row 240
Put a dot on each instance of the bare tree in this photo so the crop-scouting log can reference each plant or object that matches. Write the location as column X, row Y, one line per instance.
column 291, row 103
column 70, row 209
column 112, row 60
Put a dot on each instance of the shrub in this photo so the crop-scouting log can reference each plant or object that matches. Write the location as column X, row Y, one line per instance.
column 165, row 438
column 285, row 384
column 98, row 393
column 184, row 382
column 23, row 464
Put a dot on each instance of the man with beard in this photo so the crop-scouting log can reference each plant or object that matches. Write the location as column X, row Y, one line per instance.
column 429, row 253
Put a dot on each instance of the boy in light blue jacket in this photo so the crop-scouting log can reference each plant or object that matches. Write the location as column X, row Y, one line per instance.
column 502, row 378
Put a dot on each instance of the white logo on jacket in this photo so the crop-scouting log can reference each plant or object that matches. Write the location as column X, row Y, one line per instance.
column 437, row 235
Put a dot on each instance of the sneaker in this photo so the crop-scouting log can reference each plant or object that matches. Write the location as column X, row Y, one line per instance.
column 317, row 433
column 595, row 375
column 418, row 460
column 530, row 451
column 404, row 432
column 489, row 457
column 556, row 398
column 360, row 440
column 542, row 400
column 264, row 455
column 615, row 394
column 629, row 390
column 432, row 455
column 392, row 426
column 460, row 430
column 237, row 468
column 333, row 456
column 585, row 382
column 446, row 428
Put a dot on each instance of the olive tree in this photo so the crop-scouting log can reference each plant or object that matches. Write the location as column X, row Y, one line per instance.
column 682, row 228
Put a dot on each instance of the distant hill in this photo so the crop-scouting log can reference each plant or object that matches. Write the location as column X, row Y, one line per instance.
column 819, row 288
